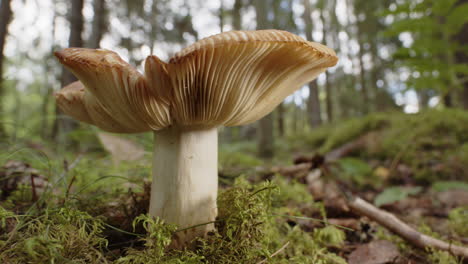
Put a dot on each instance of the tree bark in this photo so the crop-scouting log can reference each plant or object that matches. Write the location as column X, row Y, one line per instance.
column 266, row 139
column 362, row 74
column 50, row 79
column 462, row 58
column 152, row 16
column 362, row 77
column 280, row 119
column 236, row 15
column 279, row 112
column 328, row 97
column 313, row 102
column 5, row 16
column 99, row 23
column 221, row 15
column 66, row 125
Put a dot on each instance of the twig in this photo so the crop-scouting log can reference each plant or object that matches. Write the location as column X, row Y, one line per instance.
column 400, row 228
column 67, row 167
column 276, row 253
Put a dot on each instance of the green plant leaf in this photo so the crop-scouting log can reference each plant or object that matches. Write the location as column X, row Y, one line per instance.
column 394, row 194
column 442, row 186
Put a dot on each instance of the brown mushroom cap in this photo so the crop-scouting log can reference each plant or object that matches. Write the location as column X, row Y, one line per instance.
column 232, row 78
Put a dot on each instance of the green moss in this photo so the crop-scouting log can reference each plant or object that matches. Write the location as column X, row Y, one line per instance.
column 433, row 143
column 240, row 155
column 58, row 236
column 247, row 231
column 442, row 257
column 253, row 223
column 458, row 218
column 291, row 193
column 352, row 129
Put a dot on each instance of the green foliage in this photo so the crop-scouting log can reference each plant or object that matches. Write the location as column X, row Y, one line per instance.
column 290, row 192
column 247, row 232
column 458, row 218
column 433, row 143
column 159, row 236
column 394, row 194
column 239, row 155
column 442, row 186
column 430, row 57
column 330, row 236
column 442, row 257
column 431, row 137
column 356, row 171
column 352, row 129
column 306, row 248
column 59, row 236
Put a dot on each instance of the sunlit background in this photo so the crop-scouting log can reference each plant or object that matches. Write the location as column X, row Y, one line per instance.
column 393, row 54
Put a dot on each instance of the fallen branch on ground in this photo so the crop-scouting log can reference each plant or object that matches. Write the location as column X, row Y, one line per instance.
column 400, row 228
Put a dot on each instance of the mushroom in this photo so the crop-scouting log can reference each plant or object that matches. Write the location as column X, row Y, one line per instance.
column 230, row 79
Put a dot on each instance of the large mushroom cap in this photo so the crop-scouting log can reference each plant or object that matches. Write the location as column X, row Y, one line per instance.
column 229, row 79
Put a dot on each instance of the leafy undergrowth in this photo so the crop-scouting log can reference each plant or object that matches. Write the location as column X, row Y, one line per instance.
column 89, row 224
column 433, row 145
column 88, row 210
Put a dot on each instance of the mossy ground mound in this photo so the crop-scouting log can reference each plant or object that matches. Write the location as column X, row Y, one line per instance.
column 254, row 221
column 94, row 212
column 433, row 144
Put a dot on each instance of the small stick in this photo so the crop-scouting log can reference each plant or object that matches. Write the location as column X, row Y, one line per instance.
column 400, row 228
column 33, row 187
column 276, row 253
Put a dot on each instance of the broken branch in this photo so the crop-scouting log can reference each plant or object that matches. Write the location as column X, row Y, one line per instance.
column 402, row 229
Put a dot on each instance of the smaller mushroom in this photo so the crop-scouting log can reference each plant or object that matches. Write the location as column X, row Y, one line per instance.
column 229, row 79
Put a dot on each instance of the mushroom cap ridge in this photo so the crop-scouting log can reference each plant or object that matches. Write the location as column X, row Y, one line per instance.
column 229, row 79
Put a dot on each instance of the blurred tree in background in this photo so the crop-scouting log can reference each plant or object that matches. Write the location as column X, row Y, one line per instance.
column 435, row 47
column 394, row 55
column 5, row 15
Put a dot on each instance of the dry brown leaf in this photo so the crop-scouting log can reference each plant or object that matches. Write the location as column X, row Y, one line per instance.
column 375, row 252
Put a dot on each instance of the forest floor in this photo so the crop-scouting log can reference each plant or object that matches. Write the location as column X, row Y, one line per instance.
column 301, row 207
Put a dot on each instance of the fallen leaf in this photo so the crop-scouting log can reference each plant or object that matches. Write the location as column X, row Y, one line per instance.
column 375, row 252
column 394, row 194
column 382, row 173
column 453, row 198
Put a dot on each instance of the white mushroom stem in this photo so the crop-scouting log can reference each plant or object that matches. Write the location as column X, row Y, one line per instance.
column 185, row 179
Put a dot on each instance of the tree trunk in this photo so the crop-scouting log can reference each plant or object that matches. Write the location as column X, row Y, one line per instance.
column 221, row 15
column 152, row 17
column 232, row 133
column 362, row 76
column 313, row 106
column 236, row 15
column 328, row 98
column 50, row 79
column 313, row 102
column 5, row 16
column 462, row 58
column 280, row 112
column 99, row 23
column 66, row 125
column 266, row 140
